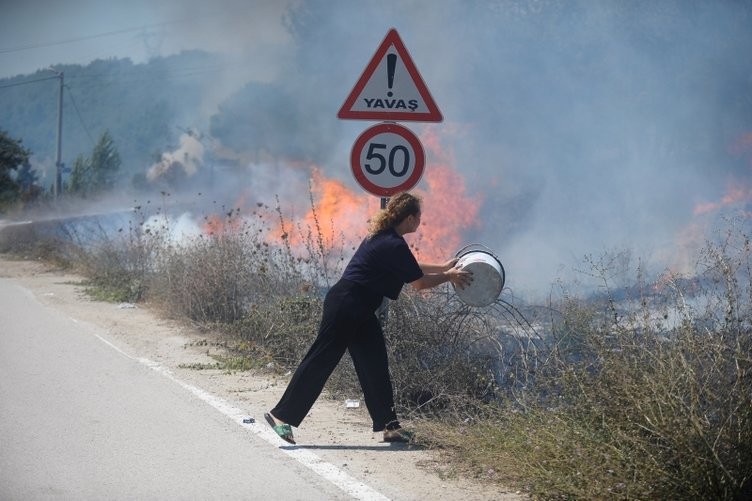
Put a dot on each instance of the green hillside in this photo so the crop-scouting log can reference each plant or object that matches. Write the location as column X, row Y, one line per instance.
column 143, row 106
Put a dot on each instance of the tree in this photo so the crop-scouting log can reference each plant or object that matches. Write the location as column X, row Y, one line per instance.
column 80, row 180
column 99, row 172
column 105, row 162
column 28, row 183
column 12, row 156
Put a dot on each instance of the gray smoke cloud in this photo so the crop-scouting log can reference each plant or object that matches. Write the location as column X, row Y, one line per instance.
column 581, row 126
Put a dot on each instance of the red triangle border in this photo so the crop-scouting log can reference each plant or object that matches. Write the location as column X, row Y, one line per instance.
column 433, row 114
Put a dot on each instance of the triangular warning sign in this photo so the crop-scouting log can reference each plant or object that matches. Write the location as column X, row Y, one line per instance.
column 391, row 88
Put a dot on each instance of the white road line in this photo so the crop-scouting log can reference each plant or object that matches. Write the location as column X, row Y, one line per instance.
column 350, row 485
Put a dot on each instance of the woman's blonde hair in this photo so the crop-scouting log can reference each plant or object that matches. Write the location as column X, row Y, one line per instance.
column 399, row 207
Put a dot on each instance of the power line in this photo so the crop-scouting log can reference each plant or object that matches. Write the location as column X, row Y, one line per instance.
column 80, row 118
column 19, row 48
column 139, row 75
column 153, row 74
column 26, row 82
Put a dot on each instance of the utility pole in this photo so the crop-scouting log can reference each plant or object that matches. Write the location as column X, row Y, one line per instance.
column 58, row 161
column 58, row 184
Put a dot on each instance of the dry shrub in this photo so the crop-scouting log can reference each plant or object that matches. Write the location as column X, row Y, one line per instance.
column 640, row 392
column 645, row 394
column 237, row 275
column 118, row 263
column 53, row 241
column 211, row 278
column 442, row 354
column 247, row 281
column 634, row 394
column 279, row 332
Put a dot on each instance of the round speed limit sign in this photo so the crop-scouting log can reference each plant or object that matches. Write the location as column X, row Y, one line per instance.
column 387, row 159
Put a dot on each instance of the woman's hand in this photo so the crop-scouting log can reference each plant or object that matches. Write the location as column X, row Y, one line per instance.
column 449, row 264
column 459, row 277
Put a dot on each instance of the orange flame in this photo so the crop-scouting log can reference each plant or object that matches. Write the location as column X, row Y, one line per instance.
column 742, row 144
column 738, row 192
column 738, row 196
column 734, row 195
column 448, row 210
column 339, row 216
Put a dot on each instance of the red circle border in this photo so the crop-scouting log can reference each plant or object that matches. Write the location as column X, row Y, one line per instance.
column 406, row 134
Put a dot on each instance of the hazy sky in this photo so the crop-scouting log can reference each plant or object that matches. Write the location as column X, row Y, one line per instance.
column 35, row 34
column 581, row 126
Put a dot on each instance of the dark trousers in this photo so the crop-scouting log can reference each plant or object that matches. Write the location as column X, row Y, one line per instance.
column 348, row 323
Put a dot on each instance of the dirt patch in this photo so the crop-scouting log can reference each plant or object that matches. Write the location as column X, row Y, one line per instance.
column 339, row 435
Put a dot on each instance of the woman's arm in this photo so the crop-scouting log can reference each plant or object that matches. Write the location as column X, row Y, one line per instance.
column 437, row 274
column 429, row 268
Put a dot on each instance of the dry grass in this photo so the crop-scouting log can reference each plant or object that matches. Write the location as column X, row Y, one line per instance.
column 634, row 393
column 647, row 396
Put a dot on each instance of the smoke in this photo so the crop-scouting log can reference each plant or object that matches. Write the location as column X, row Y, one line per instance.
column 578, row 126
column 183, row 162
column 249, row 38
column 584, row 127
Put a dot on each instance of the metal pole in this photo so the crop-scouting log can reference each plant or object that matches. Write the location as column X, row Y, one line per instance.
column 384, row 201
column 58, row 162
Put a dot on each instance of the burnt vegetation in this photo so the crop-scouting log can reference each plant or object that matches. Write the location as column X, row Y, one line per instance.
column 638, row 392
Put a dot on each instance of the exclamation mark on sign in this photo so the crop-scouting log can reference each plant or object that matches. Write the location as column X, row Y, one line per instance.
column 391, row 63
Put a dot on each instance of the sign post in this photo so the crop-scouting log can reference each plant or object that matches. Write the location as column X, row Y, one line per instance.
column 388, row 158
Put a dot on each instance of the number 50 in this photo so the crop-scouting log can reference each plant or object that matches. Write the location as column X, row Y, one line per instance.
column 382, row 161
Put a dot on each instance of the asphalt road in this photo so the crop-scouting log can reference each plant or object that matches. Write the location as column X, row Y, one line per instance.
column 81, row 420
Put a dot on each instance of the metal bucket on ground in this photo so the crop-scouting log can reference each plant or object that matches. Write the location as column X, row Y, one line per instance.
column 488, row 275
